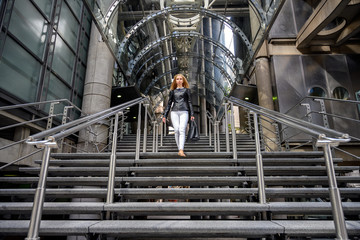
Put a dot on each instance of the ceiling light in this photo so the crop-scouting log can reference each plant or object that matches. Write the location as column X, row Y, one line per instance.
column 119, row 96
column 247, row 99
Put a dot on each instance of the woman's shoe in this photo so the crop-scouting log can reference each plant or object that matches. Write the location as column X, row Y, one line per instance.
column 181, row 153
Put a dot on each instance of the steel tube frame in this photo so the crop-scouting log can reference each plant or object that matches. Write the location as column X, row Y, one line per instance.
column 335, row 198
column 259, row 162
column 112, row 166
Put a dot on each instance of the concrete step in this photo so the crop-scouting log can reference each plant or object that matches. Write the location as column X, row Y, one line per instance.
column 189, row 162
column 183, row 193
column 131, row 155
column 186, row 171
column 184, row 181
column 183, row 229
column 181, row 208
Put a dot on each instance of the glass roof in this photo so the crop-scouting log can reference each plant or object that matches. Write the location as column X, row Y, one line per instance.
column 212, row 42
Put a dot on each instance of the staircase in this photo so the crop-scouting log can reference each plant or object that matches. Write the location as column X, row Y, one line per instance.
column 205, row 195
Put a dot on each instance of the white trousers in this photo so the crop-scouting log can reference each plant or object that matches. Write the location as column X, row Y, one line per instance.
column 179, row 121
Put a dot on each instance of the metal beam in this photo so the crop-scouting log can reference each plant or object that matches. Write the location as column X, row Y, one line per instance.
column 351, row 30
column 326, row 11
column 152, row 45
column 204, row 12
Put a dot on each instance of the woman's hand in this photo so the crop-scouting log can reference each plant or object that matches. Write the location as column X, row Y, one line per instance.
column 164, row 119
column 192, row 118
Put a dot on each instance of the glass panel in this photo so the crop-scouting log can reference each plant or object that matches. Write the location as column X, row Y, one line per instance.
column 19, row 72
column 87, row 22
column 29, row 26
column 68, row 26
column 83, row 51
column 44, row 5
column 63, row 61
column 57, row 90
column 80, row 79
column 75, row 5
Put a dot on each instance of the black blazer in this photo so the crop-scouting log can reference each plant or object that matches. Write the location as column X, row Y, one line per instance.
column 181, row 97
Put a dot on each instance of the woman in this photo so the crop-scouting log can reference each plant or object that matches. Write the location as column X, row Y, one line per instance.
column 180, row 98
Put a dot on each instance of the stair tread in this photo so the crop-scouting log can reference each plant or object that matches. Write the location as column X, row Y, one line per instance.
column 185, row 228
column 181, row 208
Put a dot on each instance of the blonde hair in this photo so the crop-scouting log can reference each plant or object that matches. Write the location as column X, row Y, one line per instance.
column 174, row 85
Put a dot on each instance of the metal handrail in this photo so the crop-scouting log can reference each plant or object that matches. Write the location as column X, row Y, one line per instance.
column 326, row 138
column 309, row 128
column 322, row 98
column 68, row 128
column 38, row 103
column 52, row 135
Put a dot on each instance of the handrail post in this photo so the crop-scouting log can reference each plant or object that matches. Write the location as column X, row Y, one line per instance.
column 145, row 128
column 138, row 135
column 259, row 162
column 234, row 145
column 51, row 113
column 36, row 213
column 215, row 136
column 122, row 125
column 336, row 204
column 210, row 132
column 218, row 135
column 227, row 128
column 154, row 136
column 112, row 166
column 157, row 137
column 161, row 133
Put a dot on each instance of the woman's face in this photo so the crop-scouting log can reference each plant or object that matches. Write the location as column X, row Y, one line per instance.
column 179, row 81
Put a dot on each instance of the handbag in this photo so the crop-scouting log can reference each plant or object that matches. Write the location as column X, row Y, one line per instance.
column 193, row 132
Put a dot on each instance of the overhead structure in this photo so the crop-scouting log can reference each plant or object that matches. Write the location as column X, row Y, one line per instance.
column 199, row 38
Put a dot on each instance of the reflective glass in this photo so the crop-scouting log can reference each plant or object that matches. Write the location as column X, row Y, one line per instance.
column 68, row 26
column 80, row 79
column 63, row 61
column 76, row 6
column 57, row 89
column 87, row 22
column 29, row 26
column 45, row 6
column 84, row 45
column 19, row 72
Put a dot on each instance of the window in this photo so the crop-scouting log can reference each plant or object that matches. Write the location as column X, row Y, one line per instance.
column 341, row 93
column 317, row 92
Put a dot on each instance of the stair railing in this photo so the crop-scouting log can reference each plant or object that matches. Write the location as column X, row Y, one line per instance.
column 48, row 118
column 48, row 140
column 326, row 138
